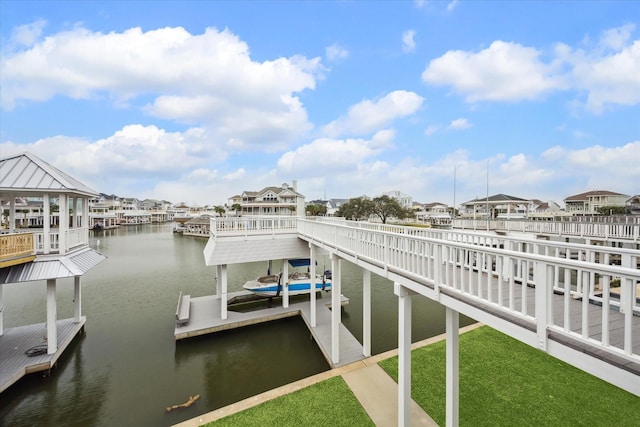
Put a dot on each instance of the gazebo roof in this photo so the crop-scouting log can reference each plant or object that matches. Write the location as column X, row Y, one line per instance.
column 23, row 173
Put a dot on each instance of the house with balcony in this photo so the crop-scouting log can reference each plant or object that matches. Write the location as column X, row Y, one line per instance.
column 283, row 200
column 633, row 205
column 53, row 248
column 497, row 206
column 435, row 213
column 590, row 202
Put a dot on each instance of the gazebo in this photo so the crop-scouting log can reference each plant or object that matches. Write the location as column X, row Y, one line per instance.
column 56, row 247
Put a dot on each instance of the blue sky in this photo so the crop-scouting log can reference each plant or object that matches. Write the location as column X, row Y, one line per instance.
column 198, row 101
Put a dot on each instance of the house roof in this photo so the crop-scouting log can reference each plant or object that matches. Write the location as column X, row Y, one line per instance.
column 497, row 198
column 585, row 196
column 27, row 173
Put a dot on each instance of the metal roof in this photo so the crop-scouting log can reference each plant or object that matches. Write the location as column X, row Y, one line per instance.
column 26, row 172
column 50, row 267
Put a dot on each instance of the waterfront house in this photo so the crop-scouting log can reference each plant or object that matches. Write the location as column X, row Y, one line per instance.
column 283, row 200
column 588, row 203
column 403, row 200
column 633, row 205
column 55, row 248
column 500, row 206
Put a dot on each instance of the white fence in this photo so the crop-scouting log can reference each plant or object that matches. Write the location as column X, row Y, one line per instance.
column 513, row 276
column 629, row 230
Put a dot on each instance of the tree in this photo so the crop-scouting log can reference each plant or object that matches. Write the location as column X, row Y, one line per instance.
column 612, row 210
column 236, row 207
column 315, row 210
column 385, row 207
column 356, row 209
column 292, row 209
column 219, row 210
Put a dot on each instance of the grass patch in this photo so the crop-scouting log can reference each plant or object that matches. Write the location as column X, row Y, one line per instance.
column 328, row 402
column 505, row 382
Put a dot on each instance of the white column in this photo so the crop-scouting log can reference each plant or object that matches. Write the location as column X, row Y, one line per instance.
column 453, row 367
column 63, row 219
column 1, row 311
column 85, row 219
column 52, row 315
column 366, row 313
column 77, row 299
column 404, row 354
column 223, row 293
column 218, row 281
column 46, row 225
column 285, row 283
column 335, row 309
column 12, row 214
column 312, row 299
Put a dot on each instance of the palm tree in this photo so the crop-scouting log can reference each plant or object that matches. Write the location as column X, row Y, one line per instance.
column 236, row 207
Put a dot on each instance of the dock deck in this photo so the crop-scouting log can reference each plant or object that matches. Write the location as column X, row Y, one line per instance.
column 15, row 364
column 205, row 318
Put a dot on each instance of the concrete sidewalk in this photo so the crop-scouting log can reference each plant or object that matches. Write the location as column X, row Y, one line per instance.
column 377, row 392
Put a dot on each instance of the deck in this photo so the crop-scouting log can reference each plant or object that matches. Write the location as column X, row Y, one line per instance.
column 15, row 364
column 205, row 318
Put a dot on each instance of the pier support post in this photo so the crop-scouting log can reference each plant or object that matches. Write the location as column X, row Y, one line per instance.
column 285, row 283
column 404, row 354
column 336, row 309
column 52, row 315
column 366, row 313
column 77, row 299
column 312, row 270
column 453, row 367
column 218, row 281
column 223, row 291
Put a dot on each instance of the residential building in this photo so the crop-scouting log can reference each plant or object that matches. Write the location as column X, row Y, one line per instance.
column 283, row 200
column 403, row 200
column 588, row 203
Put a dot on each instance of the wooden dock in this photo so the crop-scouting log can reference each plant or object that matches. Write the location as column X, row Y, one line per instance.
column 15, row 364
column 205, row 319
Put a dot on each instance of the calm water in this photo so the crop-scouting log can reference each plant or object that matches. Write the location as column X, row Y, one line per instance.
column 126, row 368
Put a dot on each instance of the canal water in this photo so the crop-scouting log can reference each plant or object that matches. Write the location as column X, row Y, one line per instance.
column 126, row 368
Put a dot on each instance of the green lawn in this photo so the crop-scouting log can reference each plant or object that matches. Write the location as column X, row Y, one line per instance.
column 506, row 383
column 502, row 383
column 329, row 402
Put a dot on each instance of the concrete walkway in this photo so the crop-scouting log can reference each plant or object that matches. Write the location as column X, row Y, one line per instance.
column 376, row 391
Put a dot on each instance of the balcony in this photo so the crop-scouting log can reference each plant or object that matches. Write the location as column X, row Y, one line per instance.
column 16, row 248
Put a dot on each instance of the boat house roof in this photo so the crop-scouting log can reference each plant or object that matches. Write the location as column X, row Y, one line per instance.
column 23, row 173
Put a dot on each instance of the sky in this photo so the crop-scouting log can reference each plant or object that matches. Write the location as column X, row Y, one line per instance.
column 446, row 101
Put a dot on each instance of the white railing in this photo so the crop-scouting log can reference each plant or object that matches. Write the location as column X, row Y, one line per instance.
column 253, row 225
column 518, row 278
column 586, row 229
column 74, row 237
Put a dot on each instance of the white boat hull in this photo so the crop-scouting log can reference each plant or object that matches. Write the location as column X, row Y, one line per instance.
column 298, row 284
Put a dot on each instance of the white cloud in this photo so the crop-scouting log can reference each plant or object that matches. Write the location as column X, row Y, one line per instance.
column 608, row 73
column 325, row 155
column 452, row 5
column 370, row 115
column 28, row 34
column 336, row 52
column 206, row 79
column 430, row 130
column 459, row 124
column 502, row 72
column 408, row 42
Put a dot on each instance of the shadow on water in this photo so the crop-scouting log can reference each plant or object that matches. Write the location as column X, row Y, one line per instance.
column 58, row 398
